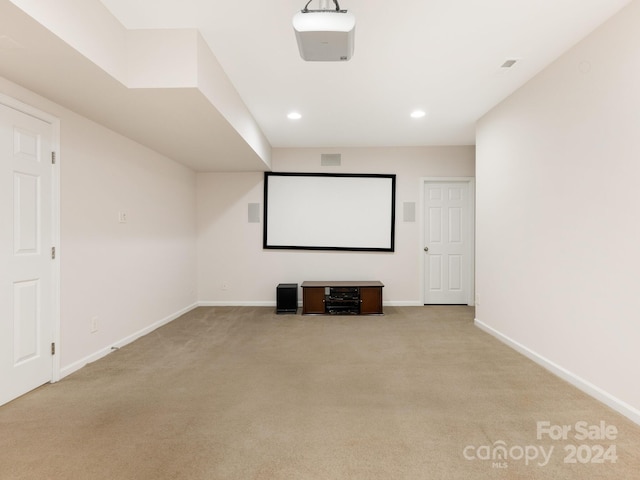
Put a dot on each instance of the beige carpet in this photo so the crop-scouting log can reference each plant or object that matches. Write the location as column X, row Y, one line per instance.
column 242, row 393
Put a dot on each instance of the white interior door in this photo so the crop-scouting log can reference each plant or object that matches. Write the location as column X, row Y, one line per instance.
column 27, row 303
column 447, row 243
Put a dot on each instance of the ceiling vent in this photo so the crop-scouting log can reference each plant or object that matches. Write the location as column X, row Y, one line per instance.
column 325, row 35
column 508, row 63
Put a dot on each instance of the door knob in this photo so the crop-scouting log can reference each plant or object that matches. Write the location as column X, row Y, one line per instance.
column 426, row 249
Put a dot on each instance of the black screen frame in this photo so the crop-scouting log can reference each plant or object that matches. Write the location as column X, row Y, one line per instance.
column 391, row 244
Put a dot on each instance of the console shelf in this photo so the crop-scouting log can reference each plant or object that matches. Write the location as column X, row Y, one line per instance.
column 342, row 298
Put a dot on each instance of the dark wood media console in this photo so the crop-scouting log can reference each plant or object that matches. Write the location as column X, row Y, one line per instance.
column 342, row 298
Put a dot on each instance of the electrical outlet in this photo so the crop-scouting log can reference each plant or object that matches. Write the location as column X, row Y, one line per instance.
column 94, row 325
column 225, row 285
column 122, row 217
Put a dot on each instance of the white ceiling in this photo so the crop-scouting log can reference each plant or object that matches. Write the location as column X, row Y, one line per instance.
column 442, row 56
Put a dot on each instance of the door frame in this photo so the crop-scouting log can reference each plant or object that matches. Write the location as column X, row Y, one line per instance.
column 55, row 219
column 470, row 181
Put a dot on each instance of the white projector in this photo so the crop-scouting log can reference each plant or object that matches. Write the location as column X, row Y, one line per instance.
column 325, row 35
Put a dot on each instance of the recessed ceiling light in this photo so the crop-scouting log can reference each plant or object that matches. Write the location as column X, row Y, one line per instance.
column 294, row 116
column 418, row 114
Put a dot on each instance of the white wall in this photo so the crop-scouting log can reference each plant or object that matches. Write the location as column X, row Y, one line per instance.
column 230, row 248
column 557, row 215
column 130, row 276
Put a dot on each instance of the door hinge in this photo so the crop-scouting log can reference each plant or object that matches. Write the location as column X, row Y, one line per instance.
column 53, row 348
column 53, row 158
column 53, row 253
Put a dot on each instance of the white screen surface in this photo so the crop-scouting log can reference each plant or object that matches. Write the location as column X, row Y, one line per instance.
column 329, row 211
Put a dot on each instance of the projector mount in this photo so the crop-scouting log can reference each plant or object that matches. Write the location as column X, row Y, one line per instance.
column 335, row 2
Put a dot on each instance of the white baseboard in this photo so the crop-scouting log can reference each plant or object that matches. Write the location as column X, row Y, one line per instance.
column 69, row 369
column 403, row 303
column 596, row 392
column 238, row 303
column 235, row 303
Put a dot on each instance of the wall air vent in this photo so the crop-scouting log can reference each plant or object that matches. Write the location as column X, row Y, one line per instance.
column 330, row 159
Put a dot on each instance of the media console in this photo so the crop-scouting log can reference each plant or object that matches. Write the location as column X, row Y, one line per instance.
column 342, row 298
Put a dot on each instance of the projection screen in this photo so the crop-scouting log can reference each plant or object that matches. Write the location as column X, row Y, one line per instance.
column 326, row 211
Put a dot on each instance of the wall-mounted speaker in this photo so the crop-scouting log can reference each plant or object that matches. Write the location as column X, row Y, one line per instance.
column 409, row 212
column 253, row 213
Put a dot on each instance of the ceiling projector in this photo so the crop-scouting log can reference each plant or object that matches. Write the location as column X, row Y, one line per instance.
column 325, row 35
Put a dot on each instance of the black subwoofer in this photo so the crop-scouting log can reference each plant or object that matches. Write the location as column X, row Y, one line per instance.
column 287, row 298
